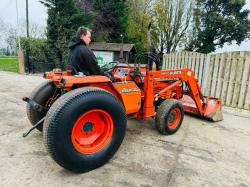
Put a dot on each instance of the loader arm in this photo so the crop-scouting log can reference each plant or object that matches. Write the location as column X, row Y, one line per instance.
column 180, row 75
column 200, row 105
column 188, row 76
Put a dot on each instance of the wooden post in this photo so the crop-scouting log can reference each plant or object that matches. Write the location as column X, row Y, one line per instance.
column 244, row 82
column 196, row 68
column 225, row 80
column 21, row 62
column 190, row 60
column 247, row 99
column 207, row 75
column 173, row 60
column 238, row 79
column 220, row 75
column 215, row 75
column 164, row 61
column 231, row 80
column 201, row 70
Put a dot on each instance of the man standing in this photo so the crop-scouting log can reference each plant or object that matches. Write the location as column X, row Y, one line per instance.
column 80, row 57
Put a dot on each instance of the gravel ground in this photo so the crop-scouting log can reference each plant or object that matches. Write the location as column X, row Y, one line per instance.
column 201, row 153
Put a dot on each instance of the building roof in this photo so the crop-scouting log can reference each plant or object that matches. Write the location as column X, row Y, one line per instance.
column 102, row 46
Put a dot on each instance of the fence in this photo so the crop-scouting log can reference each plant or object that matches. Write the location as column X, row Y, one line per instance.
column 223, row 75
column 38, row 66
column 41, row 67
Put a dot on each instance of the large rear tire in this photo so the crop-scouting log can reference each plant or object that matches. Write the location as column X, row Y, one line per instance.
column 84, row 128
column 41, row 95
column 169, row 116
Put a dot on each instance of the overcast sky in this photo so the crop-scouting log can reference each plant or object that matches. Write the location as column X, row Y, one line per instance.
column 37, row 11
column 38, row 14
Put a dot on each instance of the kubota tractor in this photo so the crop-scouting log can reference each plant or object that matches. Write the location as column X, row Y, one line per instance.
column 83, row 118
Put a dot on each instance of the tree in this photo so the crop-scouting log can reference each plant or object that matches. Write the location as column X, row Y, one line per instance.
column 139, row 18
column 35, row 30
column 63, row 20
column 11, row 39
column 171, row 19
column 8, row 37
column 2, row 32
column 110, row 20
column 217, row 22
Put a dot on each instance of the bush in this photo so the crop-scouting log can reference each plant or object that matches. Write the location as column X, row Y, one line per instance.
column 37, row 48
column 38, row 54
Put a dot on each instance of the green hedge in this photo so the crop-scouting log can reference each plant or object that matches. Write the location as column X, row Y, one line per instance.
column 37, row 47
column 38, row 54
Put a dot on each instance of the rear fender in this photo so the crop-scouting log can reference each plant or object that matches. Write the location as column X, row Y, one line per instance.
column 72, row 82
column 105, row 86
column 127, row 93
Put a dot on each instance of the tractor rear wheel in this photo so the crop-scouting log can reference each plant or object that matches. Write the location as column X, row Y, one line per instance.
column 84, row 128
column 169, row 116
column 41, row 95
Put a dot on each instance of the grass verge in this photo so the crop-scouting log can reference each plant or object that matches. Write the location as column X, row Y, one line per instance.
column 9, row 64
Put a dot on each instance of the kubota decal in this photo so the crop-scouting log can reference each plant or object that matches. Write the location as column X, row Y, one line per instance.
column 170, row 72
column 129, row 90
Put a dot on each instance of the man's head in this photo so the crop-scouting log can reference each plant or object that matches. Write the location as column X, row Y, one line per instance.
column 84, row 34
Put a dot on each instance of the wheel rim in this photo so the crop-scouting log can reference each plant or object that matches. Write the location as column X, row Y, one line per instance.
column 174, row 118
column 92, row 131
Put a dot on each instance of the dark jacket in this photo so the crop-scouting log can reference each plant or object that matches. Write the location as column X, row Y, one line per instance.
column 82, row 58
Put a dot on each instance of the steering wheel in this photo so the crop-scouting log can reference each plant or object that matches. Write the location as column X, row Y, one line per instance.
column 108, row 70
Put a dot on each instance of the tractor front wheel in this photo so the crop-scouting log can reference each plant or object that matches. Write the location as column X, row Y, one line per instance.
column 169, row 116
column 84, row 128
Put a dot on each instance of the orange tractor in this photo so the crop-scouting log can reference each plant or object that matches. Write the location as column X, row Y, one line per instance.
column 83, row 118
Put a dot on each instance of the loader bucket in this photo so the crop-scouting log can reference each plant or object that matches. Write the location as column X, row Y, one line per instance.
column 212, row 108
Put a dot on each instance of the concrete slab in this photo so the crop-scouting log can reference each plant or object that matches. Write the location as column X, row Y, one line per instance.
column 201, row 153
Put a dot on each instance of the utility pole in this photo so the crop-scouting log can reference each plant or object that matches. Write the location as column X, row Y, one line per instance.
column 17, row 21
column 27, row 27
column 20, row 53
column 27, row 18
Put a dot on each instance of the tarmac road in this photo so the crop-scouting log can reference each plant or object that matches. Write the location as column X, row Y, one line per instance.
column 201, row 153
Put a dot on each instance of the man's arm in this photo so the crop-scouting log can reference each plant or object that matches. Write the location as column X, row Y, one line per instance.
column 90, row 61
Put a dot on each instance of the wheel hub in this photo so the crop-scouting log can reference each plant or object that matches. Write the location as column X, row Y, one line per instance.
column 92, row 131
column 172, row 117
column 88, row 127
